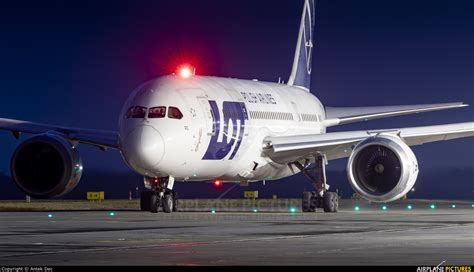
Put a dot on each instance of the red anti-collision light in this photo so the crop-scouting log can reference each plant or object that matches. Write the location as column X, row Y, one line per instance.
column 217, row 183
column 186, row 71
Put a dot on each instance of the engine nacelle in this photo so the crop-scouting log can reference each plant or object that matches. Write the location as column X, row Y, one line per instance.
column 46, row 166
column 382, row 168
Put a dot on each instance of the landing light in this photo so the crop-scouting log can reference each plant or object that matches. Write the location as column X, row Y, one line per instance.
column 453, row 206
column 213, row 211
column 409, row 207
column 432, row 206
column 255, row 210
column 356, row 208
column 292, row 210
column 50, row 215
column 112, row 214
column 384, row 207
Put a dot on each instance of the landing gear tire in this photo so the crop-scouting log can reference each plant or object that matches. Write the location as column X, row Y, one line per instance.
column 308, row 202
column 168, row 203
column 154, row 203
column 175, row 202
column 330, row 202
column 145, row 198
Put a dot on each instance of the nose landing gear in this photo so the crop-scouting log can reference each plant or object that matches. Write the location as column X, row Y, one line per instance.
column 167, row 202
column 160, row 195
column 145, row 200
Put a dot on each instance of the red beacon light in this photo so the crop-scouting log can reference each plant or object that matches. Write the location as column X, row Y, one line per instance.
column 186, row 71
column 217, row 183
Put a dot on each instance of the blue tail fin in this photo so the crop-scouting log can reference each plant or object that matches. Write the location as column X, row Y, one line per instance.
column 301, row 72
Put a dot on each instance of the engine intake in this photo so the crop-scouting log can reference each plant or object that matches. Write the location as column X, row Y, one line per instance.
column 382, row 168
column 46, row 166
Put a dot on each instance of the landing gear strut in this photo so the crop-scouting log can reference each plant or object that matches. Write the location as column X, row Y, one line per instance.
column 320, row 198
column 160, row 195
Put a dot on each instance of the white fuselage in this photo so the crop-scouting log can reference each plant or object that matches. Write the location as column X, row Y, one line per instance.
column 223, row 125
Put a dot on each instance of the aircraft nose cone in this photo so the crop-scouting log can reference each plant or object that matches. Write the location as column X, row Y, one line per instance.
column 144, row 148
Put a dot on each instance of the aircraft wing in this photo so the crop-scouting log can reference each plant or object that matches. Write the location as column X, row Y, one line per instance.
column 338, row 145
column 341, row 116
column 102, row 139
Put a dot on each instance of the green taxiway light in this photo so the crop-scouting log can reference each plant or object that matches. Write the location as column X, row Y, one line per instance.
column 50, row 215
column 409, row 207
column 356, row 208
column 432, row 206
column 292, row 210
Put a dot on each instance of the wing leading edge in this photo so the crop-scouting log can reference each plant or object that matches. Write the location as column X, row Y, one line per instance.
column 102, row 139
column 341, row 116
column 338, row 145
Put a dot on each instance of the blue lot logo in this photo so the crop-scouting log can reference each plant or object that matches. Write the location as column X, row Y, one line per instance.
column 227, row 130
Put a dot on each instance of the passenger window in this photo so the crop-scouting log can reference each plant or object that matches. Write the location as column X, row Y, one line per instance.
column 136, row 112
column 174, row 113
column 157, row 112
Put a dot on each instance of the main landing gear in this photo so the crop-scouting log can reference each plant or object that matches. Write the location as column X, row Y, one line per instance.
column 160, row 195
column 321, row 197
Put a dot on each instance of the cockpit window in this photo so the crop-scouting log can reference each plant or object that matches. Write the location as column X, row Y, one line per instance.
column 157, row 112
column 174, row 113
column 136, row 112
column 129, row 112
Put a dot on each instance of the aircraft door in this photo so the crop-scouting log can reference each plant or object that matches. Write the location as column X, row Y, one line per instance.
column 296, row 111
column 200, row 111
column 206, row 113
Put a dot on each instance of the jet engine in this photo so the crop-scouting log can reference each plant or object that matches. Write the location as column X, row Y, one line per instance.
column 46, row 166
column 382, row 168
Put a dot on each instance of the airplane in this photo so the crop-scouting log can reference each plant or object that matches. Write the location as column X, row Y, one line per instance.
column 188, row 128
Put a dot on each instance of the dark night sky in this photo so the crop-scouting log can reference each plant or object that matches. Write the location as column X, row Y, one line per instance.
column 75, row 62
